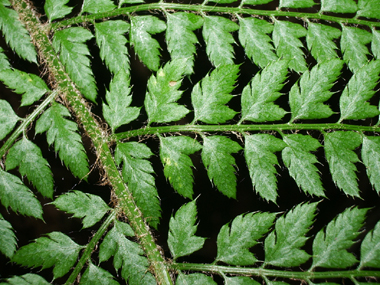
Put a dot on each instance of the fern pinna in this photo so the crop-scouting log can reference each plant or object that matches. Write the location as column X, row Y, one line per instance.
column 259, row 87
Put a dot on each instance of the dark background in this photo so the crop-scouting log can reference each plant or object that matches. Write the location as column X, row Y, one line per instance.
column 214, row 209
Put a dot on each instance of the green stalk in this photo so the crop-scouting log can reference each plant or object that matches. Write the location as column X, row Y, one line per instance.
column 90, row 247
column 300, row 275
column 73, row 99
column 208, row 8
column 241, row 129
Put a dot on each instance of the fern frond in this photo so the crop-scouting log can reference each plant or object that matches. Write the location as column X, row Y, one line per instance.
column 28, row 157
column 174, row 154
column 111, row 40
column 288, row 46
column 15, row 33
column 180, row 37
column 307, row 101
column 353, row 101
column 73, row 53
column 162, row 95
column 17, row 196
column 300, row 162
column 234, row 242
column 339, row 149
column 56, row 250
column 87, row 206
column 8, row 238
column 30, row 86
column 217, row 158
column 216, row 33
column 182, row 240
column 97, row 275
column 258, row 96
column 210, row 95
column 330, row 245
column 8, row 118
column 353, row 44
column 67, row 142
column 118, row 111
column 127, row 255
column 97, row 6
column 147, row 48
column 253, row 36
column 56, row 9
column 259, row 155
column 283, row 245
column 137, row 173
column 27, row 279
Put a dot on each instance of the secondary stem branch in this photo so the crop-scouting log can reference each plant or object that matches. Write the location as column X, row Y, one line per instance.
column 208, row 8
column 241, row 129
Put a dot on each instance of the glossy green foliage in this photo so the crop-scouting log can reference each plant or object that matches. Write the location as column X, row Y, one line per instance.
column 226, row 87
column 67, row 142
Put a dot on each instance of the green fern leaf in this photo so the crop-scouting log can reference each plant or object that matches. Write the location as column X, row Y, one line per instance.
column 180, row 37
column 87, row 206
column 288, row 46
column 97, row 276
column 137, row 173
column 111, row 41
column 174, row 153
column 118, row 112
column 296, row 3
column 300, row 162
column 8, row 118
column 370, row 249
column 306, row 101
column 216, row 33
column 8, row 238
column 15, row 194
column 222, row 1
column 26, row 279
column 15, row 33
column 234, row 243
column 69, row 43
column 121, row 2
column 259, row 154
column 283, row 245
column 240, row 280
column 320, row 42
column 182, row 240
column 375, row 44
column 253, row 36
column 97, row 6
column 147, row 48
column 371, row 159
column 194, row 279
column 4, row 63
column 330, row 245
column 339, row 149
column 56, row 9
column 28, row 157
column 30, row 85
column 258, row 96
column 67, row 142
column 127, row 255
column 217, row 158
column 353, row 101
column 160, row 101
column 353, row 44
column 256, row 2
column 369, row 9
column 339, row 6
column 56, row 250
column 210, row 95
